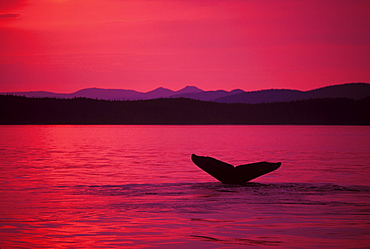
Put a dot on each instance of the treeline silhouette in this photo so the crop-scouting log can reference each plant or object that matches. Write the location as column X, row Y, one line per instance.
column 23, row 110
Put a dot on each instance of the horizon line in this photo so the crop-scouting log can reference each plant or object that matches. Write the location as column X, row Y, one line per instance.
column 165, row 88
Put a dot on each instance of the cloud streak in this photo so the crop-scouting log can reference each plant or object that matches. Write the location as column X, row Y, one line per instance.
column 8, row 16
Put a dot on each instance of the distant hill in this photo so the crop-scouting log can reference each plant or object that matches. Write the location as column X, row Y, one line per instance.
column 330, row 111
column 109, row 94
column 354, row 91
column 209, row 95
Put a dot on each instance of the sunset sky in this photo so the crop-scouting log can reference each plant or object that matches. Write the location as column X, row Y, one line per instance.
column 67, row 45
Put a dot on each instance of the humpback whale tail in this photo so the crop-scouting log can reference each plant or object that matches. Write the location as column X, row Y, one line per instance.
column 227, row 173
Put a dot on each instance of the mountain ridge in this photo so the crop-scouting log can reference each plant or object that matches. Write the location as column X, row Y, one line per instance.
column 348, row 90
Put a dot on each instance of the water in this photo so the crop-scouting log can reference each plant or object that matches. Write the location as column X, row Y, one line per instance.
column 136, row 187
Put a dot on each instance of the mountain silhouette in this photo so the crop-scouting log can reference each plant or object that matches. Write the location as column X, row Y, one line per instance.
column 99, row 93
column 189, row 90
column 209, row 95
column 354, row 91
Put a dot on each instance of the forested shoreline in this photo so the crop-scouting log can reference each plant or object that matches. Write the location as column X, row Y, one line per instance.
column 339, row 111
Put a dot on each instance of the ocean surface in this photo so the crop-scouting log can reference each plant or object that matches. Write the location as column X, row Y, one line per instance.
column 70, row 186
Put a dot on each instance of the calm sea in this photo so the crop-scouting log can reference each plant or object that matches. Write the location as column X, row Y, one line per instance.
column 72, row 186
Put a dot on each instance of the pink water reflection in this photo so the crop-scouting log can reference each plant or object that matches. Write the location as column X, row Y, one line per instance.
column 135, row 186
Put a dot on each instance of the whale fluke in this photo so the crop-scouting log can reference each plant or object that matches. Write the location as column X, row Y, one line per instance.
column 227, row 173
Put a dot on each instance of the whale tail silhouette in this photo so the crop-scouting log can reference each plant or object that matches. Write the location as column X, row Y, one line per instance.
column 227, row 173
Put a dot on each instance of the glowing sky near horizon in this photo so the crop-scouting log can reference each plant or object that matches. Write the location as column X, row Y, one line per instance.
column 67, row 45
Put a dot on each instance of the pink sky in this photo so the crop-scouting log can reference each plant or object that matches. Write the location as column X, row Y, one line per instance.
column 66, row 45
